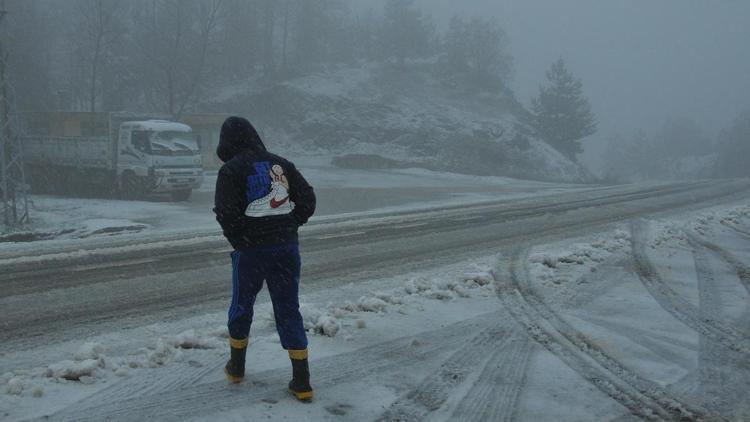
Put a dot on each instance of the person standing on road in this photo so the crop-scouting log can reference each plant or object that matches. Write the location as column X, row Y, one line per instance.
column 261, row 200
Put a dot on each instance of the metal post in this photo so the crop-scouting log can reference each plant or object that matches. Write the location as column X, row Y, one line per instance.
column 4, row 182
column 12, row 178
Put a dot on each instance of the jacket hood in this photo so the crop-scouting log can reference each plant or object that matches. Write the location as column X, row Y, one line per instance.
column 237, row 135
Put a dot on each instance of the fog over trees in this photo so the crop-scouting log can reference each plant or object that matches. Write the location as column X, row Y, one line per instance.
column 479, row 210
column 168, row 52
column 168, row 56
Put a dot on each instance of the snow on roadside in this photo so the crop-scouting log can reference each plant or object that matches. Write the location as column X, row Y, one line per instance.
column 104, row 250
column 92, row 363
column 732, row 217
column 328, row 321
column 96, row 364
column 708, row 223
column 64, row 220
column 562, row 267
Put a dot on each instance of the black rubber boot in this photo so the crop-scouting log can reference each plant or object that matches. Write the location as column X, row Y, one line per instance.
column 235, row 367
column 299, row 386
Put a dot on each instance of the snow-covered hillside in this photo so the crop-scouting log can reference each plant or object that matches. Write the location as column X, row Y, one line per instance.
column 405, row 114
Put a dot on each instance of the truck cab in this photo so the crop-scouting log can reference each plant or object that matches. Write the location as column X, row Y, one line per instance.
column 158, row 156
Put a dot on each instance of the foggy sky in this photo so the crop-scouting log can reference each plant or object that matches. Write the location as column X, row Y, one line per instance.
column 641, row 61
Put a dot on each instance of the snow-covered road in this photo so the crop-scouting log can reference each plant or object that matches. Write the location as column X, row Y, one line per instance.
column 167, row 279
column 443, row 329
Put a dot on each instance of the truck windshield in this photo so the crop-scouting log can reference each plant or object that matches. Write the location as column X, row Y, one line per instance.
column 174, row 143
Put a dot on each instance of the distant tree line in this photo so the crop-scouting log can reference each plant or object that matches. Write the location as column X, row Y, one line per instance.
column 733, row 146
column 166, row 55
column 680, row 150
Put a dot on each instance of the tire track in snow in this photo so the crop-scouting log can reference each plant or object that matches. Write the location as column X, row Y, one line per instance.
column 156, row 381
column 741, row 232
column 213, row 397
column 433, row 391
column 687, row 386
column 677, row 306
column 598, row 286
column 723, row 379
column 742, row 270
column 659, row 345
column 494, row 396
column 641, row 397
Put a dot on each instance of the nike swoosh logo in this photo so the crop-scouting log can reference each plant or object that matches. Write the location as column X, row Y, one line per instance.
column 276, row 204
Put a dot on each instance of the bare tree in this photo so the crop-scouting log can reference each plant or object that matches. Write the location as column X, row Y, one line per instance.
column 239, row 35
column 317, row 26
column 97, row 33
column 406, row 32
column 366, row 33
column 268, row 11
column 32, row 74
column 173, row 40
column 285, row 37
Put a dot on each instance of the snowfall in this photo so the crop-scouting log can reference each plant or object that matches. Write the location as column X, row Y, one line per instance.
column 648, row 311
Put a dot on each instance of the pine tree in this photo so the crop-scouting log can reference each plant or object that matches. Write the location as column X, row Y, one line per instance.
column 562, row 115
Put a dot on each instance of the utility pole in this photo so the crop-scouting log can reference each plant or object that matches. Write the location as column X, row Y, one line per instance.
column 15, row 207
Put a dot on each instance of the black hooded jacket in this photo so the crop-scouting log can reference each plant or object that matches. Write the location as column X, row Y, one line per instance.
column 261, row 198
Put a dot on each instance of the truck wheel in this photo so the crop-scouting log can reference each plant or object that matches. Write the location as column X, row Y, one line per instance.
column 132, row 187
column 181, row 195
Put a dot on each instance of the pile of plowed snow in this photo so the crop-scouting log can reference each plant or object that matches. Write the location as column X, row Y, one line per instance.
column 95, row 362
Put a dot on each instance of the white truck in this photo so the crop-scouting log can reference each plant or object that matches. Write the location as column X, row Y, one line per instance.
column 132, row 156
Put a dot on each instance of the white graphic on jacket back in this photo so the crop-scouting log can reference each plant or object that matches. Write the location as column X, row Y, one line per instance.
column 268, row 191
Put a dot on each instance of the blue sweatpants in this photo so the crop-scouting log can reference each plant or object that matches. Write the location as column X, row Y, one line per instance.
column 279, row 266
